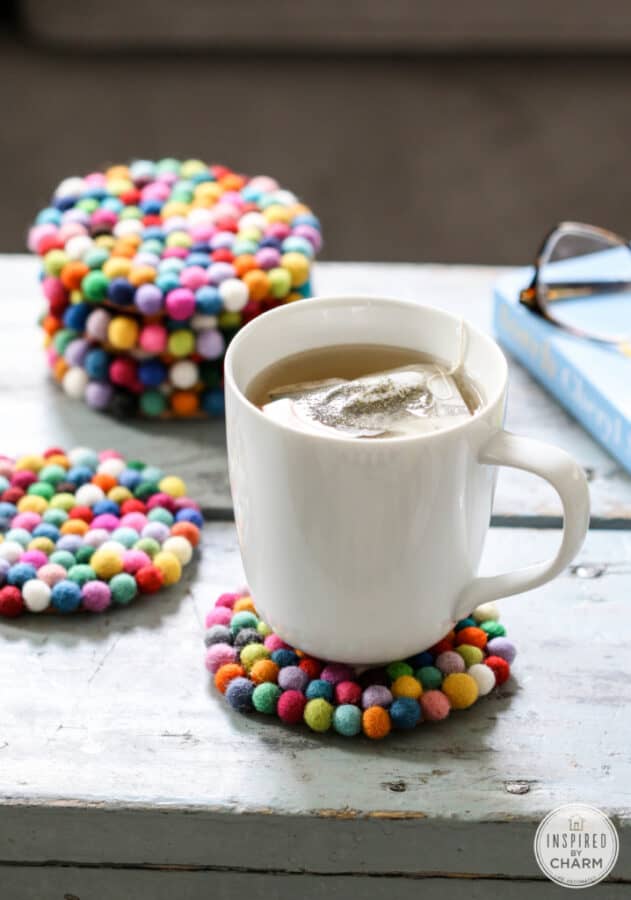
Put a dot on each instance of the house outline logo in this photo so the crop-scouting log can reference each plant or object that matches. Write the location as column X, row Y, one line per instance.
column 576, row 845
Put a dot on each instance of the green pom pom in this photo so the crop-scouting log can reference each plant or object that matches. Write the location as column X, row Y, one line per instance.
column 84, row 554
column 160, row 514
column 396, row 669
column 94, row 285
column 470, row 654
column 493, row 629
column 251, row 653
column 318, row 714
column 430, row 677
column 123, row 588
column 347, row 720
column 81, row 573
column 136, row 464
column 153, row 403
column 148, row 545
column 263, row 628
column 55, row 517
column 42, row 489
column 52, row 474
column 265, row 697
column 63, row 501
column 145, row 489
column 62, row 558
column 243, row 619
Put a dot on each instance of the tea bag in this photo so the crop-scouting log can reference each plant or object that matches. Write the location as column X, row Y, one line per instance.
column 409, row 400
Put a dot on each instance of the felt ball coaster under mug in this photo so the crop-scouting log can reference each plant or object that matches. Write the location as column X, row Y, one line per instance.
column 148, row 271
column 258, row 672
column 83, row 531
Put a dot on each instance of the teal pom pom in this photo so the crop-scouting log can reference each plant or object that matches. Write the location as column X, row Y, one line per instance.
column 81, row 573
column 243, row 619
column 430, row 677
column 318, row 689
column 62, row 558
column 405, row 713
column 265, row 697
column 347, row 720
column 493, row 629
column 123, row 588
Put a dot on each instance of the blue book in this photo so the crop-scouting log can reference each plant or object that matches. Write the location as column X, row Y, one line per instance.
column 591, row 380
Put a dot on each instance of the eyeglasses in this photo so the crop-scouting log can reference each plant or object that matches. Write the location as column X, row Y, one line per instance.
column 579, row 263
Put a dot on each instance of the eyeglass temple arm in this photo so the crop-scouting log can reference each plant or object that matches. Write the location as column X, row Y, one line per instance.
column 569, row 290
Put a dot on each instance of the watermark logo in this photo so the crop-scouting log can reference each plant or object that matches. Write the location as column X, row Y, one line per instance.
column 576, row 845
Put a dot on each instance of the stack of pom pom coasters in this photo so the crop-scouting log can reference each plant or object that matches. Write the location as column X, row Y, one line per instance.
column 258, row 672
column 85, row 531
column 148, row 270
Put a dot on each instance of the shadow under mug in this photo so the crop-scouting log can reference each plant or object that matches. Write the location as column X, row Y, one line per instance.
column 366, row 551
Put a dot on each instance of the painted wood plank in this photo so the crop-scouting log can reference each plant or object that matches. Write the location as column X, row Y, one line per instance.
column 115, row 748
column 70, row 883
column 197, row 450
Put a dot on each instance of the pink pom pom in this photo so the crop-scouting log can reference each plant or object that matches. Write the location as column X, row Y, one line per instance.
column 227, row 600
column 134, row 560
column 134, row 520
column 218, row 616
column 164, row 500
column 108, row 521
column 51, row 573
column 109, row 454
column 274, row 642
column 336, row 672
column 37, row 558
column 28, row 520
column 219, row 655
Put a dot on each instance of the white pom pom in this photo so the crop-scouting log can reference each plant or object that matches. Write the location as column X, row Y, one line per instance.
column 36, row 595
column 253, row 220
column 78, row 454
column 78, row 246
column 484, row 677
column 486, row 612
column 111, row 467
column 74, row 382
column 11, row 551
column 200, row 322
column 285, row 198
column 96, row 537
column 184, row 374
column 234, row 294
column 70, row 187
column 89, row 494
column 200, row 216
column 128, row 226
column 180, row 547
column 113, row 547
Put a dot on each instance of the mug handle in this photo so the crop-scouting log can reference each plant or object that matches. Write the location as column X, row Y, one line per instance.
column 568, row 480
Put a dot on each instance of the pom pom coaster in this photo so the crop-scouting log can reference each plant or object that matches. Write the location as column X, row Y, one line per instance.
column 258, row 672
column 148, row 271
column 84, row 531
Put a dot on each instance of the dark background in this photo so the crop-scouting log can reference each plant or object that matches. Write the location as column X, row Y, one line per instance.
column 418, row 131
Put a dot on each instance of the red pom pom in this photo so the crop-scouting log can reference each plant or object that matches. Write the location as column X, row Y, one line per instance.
column 130, row 197
column 12, row 495
column 23, row 479
column 442, row 646
column 11, row 603
column 500, row 668
column 222, row 255
column 53, row 451
column 81, row 512
column 149, row 579
column 311, row 666
column 291, row 706
column 348, row 692
column 161, row 499
column 132, row 505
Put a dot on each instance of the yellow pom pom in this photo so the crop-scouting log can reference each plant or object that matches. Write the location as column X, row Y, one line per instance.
column 122, row 333
column 32, row 503
column 106, row 563
column 42, row 543
column 169, row 565
column 298, row 267
column 207, row 193
column 106, row 241
column 58, row 459
column 32, row 463
column 277, row 213
column 173, row 486
column 461, row 689
column 180, row 546
column 174, row 208
column 117, row 267
column 244, row 604
column 406, row 686
column 119, row 494
column 471, row 655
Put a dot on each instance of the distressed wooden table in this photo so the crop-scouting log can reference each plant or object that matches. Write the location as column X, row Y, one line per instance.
column 123, row 775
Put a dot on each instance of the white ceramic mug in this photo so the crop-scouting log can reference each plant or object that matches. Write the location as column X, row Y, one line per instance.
column 365, row 551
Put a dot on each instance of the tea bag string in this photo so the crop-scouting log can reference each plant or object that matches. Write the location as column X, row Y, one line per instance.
column 442, row 374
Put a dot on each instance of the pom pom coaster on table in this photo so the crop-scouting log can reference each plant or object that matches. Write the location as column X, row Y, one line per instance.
column 258, row 672
column 148, row 270
column 84, row 531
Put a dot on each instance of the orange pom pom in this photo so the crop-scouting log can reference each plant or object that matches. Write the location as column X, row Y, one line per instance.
column 376, row 722
column 104, row 481
column 258, row 284
column 264, row 670
column 73, row 274
column 74, row 526
column 225, row 674
column 244, row 263
column 187, row 530
column 471, row 635
column 184, row 403
column 60, row 368
column 51, row 324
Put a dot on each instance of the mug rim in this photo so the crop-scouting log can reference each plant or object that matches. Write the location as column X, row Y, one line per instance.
column 489, row 403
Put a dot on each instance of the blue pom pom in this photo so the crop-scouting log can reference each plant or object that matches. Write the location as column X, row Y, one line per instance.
column 190, row 515
column 285, row 657
column 421, row 659
column 213, row 402
column 465, row 623
column 45, row 529
column 129, row 478
column 104, row 507
column 405, row 712
column 347, row 720
column 79, row 475
column 198, row 257
column 239, row 694
column 167, row 281
column 271, row 242
column 76, row 315
column 66, row 596
column 207, row 300
column 97, row 364
column 151, row 207
column 319, row 689
column 152, row 372
column 8, row 510
column 121, row 291
column 20, row 573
